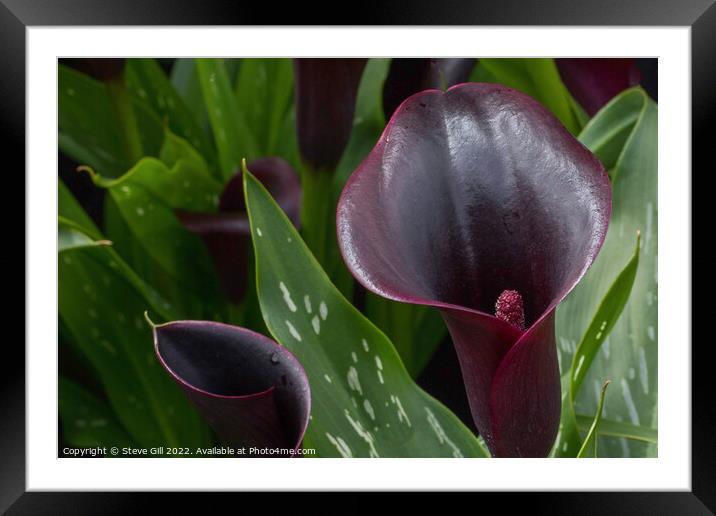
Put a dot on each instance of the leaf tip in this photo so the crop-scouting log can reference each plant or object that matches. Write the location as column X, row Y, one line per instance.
column 149, row 321
column 88, row 169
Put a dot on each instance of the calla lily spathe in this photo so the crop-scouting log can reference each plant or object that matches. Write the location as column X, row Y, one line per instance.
column 469, row 194
column 326, row 91
column 252, row 391
column 595, row 81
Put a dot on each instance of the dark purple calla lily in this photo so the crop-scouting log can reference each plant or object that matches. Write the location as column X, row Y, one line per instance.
column 477, row 201
column 252, row 391
column 227, row 234
column 408, row 76
column 594, row 82
column 101, row 69
column 326, row 92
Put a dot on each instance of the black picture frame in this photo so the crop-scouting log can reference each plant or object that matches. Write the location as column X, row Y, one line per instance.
column 17, row 15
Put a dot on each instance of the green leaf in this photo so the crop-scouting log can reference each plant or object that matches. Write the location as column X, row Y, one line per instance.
column 364, row 404
column 90, row 128
column 101, row 302
column 70, row 209
column 140, row 219
column 368, row 121
column 234, row 140
column 589, row 447
column 186, row 83
column 616, row 429
column 607, row 133
column 71, row 235
column 415, row 331
column 538, row 78
column 264, row 89
column 87, row 421
column 603, row 321
column 629, row 354
column 146, row 80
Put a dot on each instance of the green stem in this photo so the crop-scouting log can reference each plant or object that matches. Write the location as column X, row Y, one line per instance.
column 318, row 226
column 122, row 103
column 317, row 212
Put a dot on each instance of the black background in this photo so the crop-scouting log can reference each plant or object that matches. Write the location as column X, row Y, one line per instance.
column 16, row 15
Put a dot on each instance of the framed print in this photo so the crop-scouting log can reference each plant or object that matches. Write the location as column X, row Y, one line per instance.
column 425, row 246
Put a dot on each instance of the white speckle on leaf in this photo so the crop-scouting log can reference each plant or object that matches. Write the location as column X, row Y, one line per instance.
column 651, row 333
column 365, row 345
column 293, row 331
column 626, row 393
column 307, row 303
column 323, row 310
column 369, row 409
column 354, row 357
column 440, row 433
column 328, row 378
column 341, row 446
column 258, row 231
column 402, row 416
column 643, row 371
column 316, row 323
column 378, row 363
column 353, row 381
column 367, row 436
column 287, row 297
column 107, row 346
column 579, row 366
column 140, row 211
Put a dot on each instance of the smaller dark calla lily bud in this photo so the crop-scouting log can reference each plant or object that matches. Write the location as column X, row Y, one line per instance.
column 326, row 91
column 594, row 82
column 227, row 234
column 411, row 75
column 101, row 69
column 252, row 391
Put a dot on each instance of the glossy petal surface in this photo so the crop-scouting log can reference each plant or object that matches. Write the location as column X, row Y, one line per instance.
column 251, row 390
column 469, row 193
